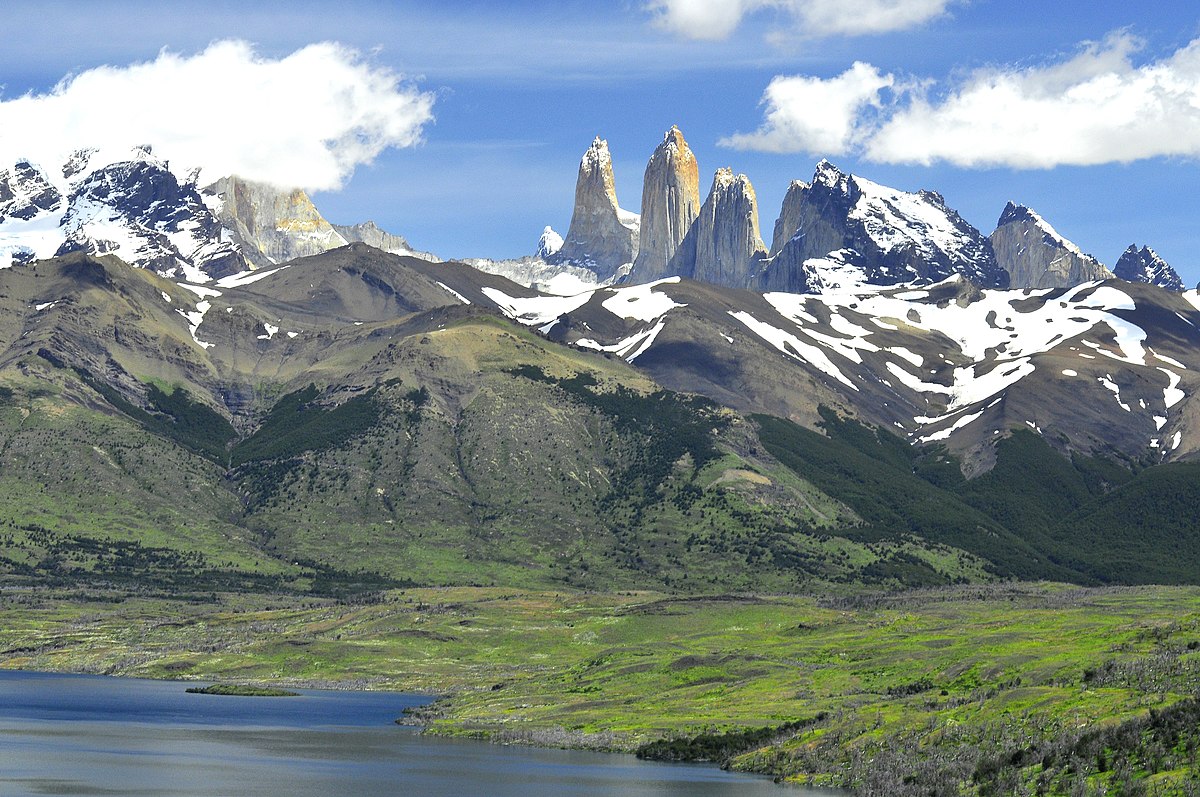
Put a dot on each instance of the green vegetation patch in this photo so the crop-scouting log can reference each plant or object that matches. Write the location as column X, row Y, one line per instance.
column 296, row 424
column 240, row 690
column 977, row 690
column 175, row 416
column 872, row 471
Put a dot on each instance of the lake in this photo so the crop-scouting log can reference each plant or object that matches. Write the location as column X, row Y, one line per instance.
column 90, row 735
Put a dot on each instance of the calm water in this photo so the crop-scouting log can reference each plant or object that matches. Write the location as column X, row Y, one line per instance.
column 84, row 735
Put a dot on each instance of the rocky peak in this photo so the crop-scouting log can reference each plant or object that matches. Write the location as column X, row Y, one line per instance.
column 602, row 237
column 372, row 234
column 723, row 246
column 887, row 236
column 670, row 204
column 271, row 224
column 1145, row 265
column 138, row 210
column 1035, row 255
column 830, row 176
column 548, row 243
column 789, row 215
column 25, row 192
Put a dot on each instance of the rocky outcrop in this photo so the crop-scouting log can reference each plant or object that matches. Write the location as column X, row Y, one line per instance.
column 1144, row 265
column 602, row 238
column 792, row 217
column 1036, row 256
column 723, row 245
column 271, row 224
column 859, row 229
column 372, row 234
column 670, row 204
column 25, row 192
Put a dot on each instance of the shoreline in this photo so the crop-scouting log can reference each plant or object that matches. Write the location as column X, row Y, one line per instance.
column 923, row 685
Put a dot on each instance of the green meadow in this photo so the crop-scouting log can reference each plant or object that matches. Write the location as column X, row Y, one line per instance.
column 993, row 689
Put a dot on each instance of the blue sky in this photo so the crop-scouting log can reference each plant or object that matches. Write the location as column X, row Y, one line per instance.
column 518, row 90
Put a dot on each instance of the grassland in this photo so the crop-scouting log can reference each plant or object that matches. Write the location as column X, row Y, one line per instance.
column 971, row 689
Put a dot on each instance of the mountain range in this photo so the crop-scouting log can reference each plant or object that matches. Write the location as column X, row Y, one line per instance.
column 206, row 387
column 835, row 228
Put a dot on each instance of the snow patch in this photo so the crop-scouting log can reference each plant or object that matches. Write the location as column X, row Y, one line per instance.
column 247, row 277
column 641, row 302
column 945, row 433
column 1115, row 389
column 630, row 348
column 792, row 346
column 1172, row 395
column 454, row 293
column 536, row 311
column 194, row 319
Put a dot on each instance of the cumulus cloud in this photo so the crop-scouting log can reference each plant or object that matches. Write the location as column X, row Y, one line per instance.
column 717, row 19
column 307, row 119
column 1095, row 107
column 808, row 114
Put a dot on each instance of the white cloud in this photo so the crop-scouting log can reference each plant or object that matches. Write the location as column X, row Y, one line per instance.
column 1093, row 108
column 307, row 119
column 703, row 19
column 1097, row 107
column 813, row 19
column 823, row 117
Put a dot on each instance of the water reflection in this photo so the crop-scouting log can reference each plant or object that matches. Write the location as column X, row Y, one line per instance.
column 78, row 735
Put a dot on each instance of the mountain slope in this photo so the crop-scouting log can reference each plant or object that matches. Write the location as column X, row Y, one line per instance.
column 359, row 415
column 1100, row 365
column 362, row 412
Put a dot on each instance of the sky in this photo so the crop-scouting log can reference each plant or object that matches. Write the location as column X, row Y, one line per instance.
column 460, row 124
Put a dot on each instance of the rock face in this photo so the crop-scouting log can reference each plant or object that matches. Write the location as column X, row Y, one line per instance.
column 844, row 224
column 272, row 225
column 670, row 204
column 723, row 245
column 139, row 210
column 1036, row 256
column 602, row 238
column 25, row 192
column 131, row 204
column 371, row 233
column 1145, row 265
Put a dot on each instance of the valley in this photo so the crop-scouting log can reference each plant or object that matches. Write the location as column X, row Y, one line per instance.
column 872, row 517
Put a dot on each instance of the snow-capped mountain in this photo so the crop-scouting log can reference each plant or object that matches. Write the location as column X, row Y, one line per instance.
column 133, row 205
column 25, row 192
column 1103, row 366
column 548, row 243
column 840, row 223
column 127, row 203
column 1144, row 265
